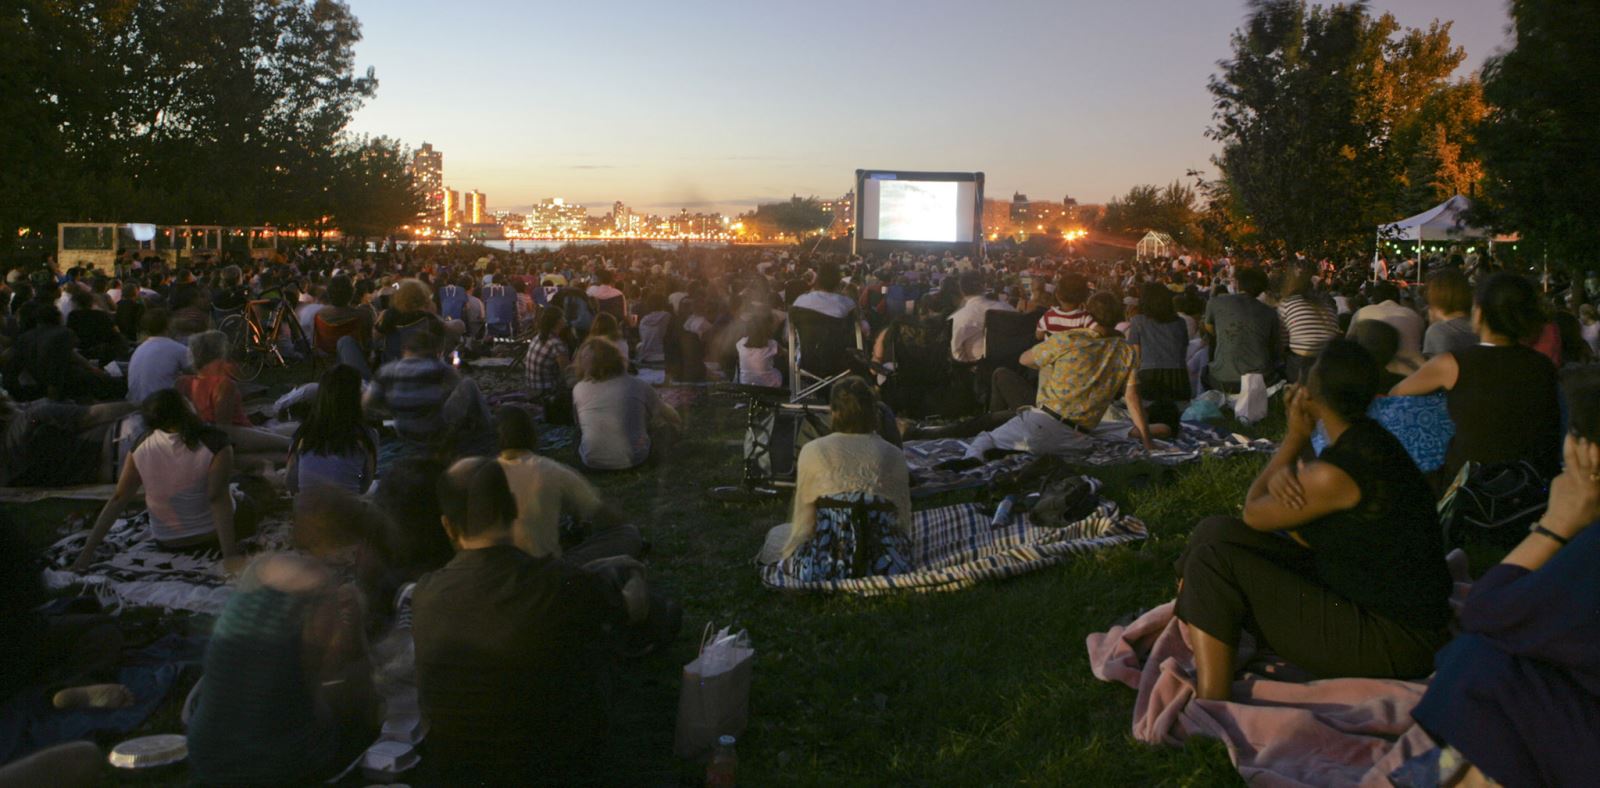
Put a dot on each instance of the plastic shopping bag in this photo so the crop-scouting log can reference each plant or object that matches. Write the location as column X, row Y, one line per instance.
column 715, row 698
column 1251, row 406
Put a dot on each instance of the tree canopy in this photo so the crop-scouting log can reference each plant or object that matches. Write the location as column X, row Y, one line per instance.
column 1541, row 141
column 172, row 111
column 1169, row 209
column 1333, row 120
column 797, row 216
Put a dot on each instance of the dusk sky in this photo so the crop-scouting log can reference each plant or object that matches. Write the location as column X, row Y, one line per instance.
column 719, row 105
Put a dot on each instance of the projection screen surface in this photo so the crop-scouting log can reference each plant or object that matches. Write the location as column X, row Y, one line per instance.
column 923, row 211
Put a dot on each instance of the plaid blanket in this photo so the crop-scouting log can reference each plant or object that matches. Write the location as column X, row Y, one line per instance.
column 132, row 570
column 956, row 547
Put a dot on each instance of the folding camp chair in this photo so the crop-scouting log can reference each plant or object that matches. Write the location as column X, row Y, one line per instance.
column 1006, row 336
column 500, row 311
column 818, row 350
column 775, row 431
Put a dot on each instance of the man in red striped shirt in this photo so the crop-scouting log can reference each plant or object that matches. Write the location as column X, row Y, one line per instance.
column 1072, row 291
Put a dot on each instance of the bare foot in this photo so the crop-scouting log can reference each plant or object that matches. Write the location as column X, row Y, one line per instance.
column 94, row 696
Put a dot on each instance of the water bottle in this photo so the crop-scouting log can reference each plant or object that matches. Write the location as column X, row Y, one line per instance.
column 724, row 761
column 1002, row 513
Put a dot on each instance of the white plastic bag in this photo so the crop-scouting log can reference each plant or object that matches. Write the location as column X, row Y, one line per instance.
column 1251, row 405
column 715, row 698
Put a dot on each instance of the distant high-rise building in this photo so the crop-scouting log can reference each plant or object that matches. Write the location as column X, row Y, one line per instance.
column 621, row 217
column 450, row 208
column 474, row 207
column 427, row 171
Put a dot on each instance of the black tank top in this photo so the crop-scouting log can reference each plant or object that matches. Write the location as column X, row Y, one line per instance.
column 1506, row 408
column 1387, row 553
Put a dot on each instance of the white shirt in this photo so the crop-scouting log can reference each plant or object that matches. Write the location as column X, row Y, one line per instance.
column 966, row 328
column 155, row 366
column 544, row 489
column 614, row 418
column 755, row 365
column 1404, row 320
column 830, row 304
column 177, row 485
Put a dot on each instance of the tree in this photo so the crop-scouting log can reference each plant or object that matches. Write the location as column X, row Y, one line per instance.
column 1324, row 117
column 226, row 112
column 1541, row 141
column 1169, row 209
column 797, row 217
column 373, row 190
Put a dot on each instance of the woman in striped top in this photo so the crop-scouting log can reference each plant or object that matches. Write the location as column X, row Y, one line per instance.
column 1308, row 325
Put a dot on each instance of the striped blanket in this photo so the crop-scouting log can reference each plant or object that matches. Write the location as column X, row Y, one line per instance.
column 133, row 570
column 956, row 547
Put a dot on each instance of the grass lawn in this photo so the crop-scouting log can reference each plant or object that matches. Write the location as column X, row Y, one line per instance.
column 985, row 686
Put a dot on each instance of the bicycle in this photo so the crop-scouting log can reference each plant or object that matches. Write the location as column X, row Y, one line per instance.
column 255, row 345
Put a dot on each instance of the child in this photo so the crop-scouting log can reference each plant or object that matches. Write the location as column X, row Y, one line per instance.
column 756, row 352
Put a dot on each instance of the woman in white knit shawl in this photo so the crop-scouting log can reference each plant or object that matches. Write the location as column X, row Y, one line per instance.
column 850, row 459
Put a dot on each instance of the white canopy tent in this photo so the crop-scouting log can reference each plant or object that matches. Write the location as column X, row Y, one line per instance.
column 1445, row 222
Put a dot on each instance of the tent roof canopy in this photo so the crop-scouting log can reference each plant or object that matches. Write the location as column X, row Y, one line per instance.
column 1446, row 221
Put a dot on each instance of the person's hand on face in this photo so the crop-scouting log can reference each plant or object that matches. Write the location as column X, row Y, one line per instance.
column 1302, row 421
column 1575, row 494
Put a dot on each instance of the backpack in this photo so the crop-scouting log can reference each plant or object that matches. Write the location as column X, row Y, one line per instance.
column 1499, row 501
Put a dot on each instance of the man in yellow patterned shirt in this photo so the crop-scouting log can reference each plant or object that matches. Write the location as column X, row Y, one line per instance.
column 1080, row 373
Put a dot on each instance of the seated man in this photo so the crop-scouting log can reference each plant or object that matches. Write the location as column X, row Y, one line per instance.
column 546, row 489
column 158, row 360
column 46, row 356
column 1248, row 332
column 513, row 652
column 1080, row 373
column 431, row 403
column 1338, row 565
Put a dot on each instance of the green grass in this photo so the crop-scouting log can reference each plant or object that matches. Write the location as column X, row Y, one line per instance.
column 985, row 686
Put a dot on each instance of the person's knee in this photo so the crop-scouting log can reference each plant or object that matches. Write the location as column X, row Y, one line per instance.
column 1214, row 530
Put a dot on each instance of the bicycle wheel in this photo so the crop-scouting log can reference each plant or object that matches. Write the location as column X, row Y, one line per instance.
column 242, row 350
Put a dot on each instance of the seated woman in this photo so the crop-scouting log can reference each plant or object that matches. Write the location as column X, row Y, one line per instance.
column 1338, row 565
column 1081, row 371
column 620, row 417
column 215, row 397
column 545, row 365
column 851, row 465
column 1163, row 342
column 1517, row 693
column 1502, row 394
column 334, row 447
column 287, row 694
column 184, row 467
column 412, row 308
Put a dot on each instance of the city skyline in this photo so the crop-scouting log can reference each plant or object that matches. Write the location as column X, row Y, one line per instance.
column 701, row 106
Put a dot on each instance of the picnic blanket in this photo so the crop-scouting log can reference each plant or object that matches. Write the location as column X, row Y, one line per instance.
column 77, row 492
column 133, row 570
column 28, row 721
column 1197, row 440
column 1280, row 729
column 956, row 547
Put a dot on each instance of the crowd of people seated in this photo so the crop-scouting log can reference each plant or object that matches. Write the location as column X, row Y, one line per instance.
column 402, row 473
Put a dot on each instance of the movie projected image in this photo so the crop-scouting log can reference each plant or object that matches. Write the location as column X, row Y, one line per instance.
column 917, row 210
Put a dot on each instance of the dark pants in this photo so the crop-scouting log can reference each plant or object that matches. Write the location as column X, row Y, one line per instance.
column 1009, row 390
column 1238, row 579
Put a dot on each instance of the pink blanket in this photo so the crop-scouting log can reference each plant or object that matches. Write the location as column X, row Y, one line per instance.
column 1278, row 732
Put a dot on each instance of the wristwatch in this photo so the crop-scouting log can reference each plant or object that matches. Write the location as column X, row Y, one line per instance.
column 1538, row 528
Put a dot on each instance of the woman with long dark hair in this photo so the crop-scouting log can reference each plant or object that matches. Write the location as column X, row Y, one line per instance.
column 184, row 467
column 1503, row 395
column 334, row 447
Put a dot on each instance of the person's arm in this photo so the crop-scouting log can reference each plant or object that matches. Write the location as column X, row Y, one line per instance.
column 1136, row 409
column 221, row 500
column 1439, row 373
column 127, row 487
column 1288, row 493
column 1574, row 505
column 106, row 412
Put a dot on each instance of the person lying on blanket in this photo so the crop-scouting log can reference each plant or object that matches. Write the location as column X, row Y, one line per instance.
column 853, row 459
column 1338, row 565
column 54, row 442
column 1080, row 373
column 1517, row 694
